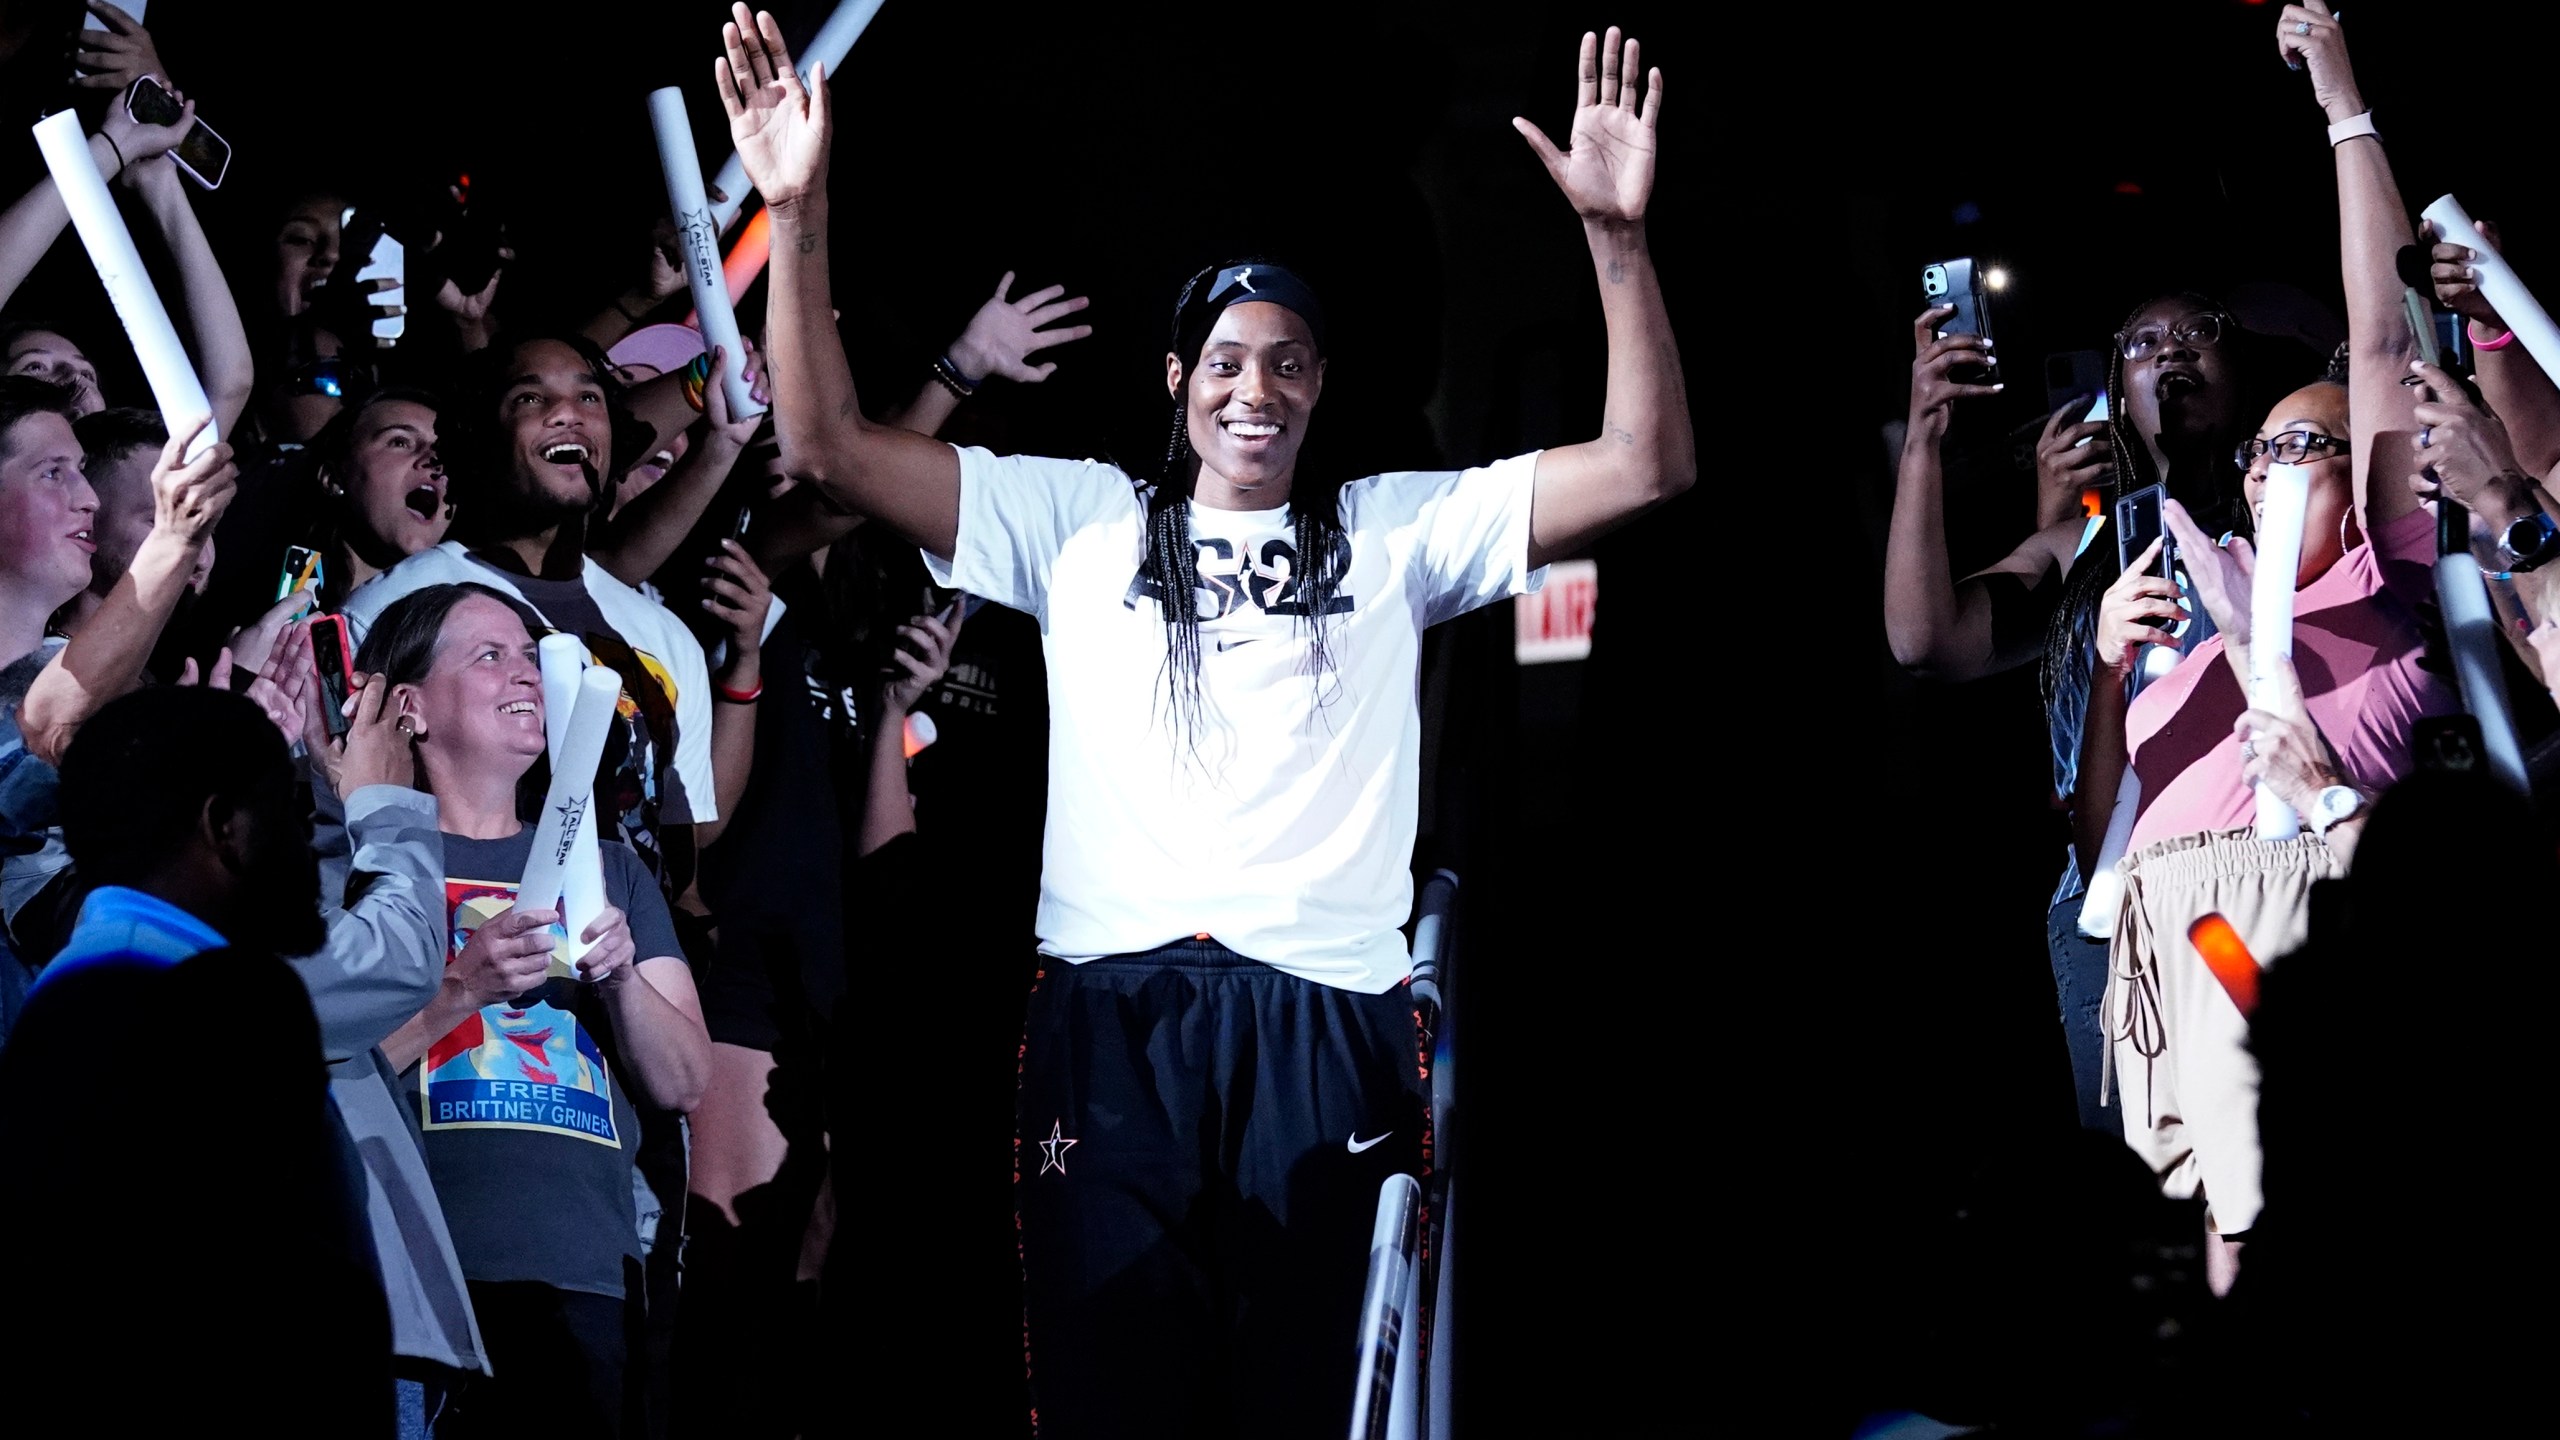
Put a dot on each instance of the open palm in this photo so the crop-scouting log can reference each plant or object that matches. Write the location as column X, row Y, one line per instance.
column 1608, row 172
column 779, row 124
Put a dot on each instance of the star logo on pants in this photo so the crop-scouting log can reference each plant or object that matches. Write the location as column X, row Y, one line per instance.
column 1053, row 1151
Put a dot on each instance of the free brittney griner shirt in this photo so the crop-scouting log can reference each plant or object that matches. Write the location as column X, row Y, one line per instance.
column 528, row 1134
column 1283, row 828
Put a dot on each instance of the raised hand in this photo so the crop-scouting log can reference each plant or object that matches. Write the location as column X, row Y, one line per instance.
column 1608, row 172
column 1934, row 389
column 2134, row 599
column 737, row 594
column 2461, row 450
column 920, row 657
column 781, row 127
column 2454, row 275
column 1001, row 337
column 118, row 55
column 188, row 496
column 2282, row 749
column 2223, row 575
column 2308, row 37
column 138, row 142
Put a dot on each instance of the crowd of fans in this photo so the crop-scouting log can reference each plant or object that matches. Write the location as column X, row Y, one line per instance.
column 512, row 1148
column 2305, row 1128
column 275, row 742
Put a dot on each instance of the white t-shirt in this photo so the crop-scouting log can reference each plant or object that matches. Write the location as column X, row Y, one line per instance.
column 658, row 641
column 1283, row 828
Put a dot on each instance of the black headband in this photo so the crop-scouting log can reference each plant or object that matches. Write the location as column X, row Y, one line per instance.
column 1209, row 297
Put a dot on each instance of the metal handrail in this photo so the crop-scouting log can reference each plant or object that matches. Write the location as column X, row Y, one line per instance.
column 1402, row 1387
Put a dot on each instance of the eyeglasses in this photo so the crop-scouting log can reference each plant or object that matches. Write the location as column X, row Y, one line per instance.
column 2205, row 329
column 2290, row 448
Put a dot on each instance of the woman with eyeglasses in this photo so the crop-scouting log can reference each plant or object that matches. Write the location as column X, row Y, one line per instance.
column 2338, row 731
column 2181, row 379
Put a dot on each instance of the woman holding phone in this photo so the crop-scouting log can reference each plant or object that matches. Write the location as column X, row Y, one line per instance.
column 2343, row 730
column 525, row 1065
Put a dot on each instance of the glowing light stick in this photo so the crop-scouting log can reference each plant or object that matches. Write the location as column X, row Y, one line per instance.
column 174, row 386
column 2106, row 887
column 2288, row 494
column 683, row 171
column 829, row 46
column 2228, row 957
column 564, row 665
column 2500, row 287
column 565, row 809
column 920, row 733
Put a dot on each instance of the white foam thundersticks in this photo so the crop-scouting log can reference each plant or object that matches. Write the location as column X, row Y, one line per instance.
column 2499, row 286
column 174, row 386
column 2288, row 495
column 701, row 236
column 828, row 47
column 2471, row 632
column 568, row 808
column 564, row 667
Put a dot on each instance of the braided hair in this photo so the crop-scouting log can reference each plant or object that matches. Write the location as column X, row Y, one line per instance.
column 2261, row 375
column 1172, row 562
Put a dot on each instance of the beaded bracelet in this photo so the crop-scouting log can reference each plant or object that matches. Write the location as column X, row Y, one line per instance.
column 949, row 377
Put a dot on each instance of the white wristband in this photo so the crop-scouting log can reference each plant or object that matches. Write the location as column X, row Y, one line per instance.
column 2351, row 127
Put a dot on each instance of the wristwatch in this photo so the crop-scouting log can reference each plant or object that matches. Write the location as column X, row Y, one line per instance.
column 2332, row 805
column 2529, row 542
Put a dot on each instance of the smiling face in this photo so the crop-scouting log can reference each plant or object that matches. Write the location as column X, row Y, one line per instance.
column 2320, row 410
column 558, row 430
column 48, row 513
column 479, row 709
column 394, row 487
column 306, row 251
column 1247, row 403
column 2182, row 389
column 48, row 356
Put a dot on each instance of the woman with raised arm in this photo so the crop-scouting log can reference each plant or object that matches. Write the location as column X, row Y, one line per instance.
column 1218, row 1071
column 2192, row 736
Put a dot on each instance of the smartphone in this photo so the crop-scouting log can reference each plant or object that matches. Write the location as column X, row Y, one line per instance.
column 2138, row 523
column 367, row 251
column 202, row 154
column 468, row 253
column 2422, row 326
column 2069, row 374
column 738, row 527
column 302, row 571
column 329, row 656
column 1958, row 283
column 2098, row 413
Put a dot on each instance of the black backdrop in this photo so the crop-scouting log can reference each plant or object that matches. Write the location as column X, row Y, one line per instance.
column 1755, row 975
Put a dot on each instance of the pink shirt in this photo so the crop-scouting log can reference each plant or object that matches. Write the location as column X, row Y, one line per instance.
column 2356, row 647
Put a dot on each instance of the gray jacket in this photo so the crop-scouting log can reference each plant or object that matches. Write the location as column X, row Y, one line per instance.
column 382, row 886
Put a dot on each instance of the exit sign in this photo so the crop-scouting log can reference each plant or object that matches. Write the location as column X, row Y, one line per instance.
column 1555, row 623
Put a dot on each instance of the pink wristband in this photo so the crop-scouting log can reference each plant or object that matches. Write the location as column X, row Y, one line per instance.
column 2472, row 328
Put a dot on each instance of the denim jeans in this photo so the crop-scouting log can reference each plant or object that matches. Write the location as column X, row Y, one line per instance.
column 2080, row 984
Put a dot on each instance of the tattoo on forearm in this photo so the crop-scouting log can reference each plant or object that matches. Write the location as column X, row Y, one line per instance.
column 811, row 241
column 1617, row 273
column 1622, row 434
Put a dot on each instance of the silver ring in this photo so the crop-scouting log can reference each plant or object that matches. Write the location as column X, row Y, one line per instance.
column 2249, row 749
column 2301, row 27
column 2425, row 434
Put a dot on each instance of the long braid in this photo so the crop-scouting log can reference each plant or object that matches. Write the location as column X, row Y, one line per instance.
column 1173, row 564
column 1173, row 561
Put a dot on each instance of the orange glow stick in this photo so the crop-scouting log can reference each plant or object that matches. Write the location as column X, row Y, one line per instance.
column 2228, row 957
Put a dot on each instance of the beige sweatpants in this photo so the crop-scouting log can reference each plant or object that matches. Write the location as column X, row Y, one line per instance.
column 2186, row 1083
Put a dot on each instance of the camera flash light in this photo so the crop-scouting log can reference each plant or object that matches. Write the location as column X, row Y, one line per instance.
column 1996, row 278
